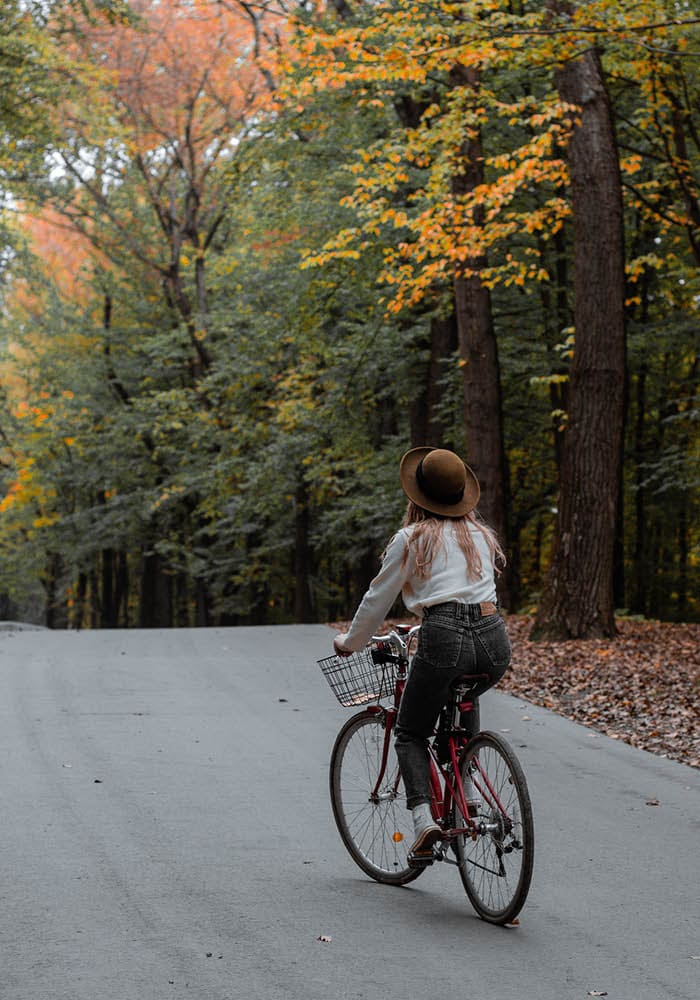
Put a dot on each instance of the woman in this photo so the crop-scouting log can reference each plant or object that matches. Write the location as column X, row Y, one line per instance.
column 443, row 560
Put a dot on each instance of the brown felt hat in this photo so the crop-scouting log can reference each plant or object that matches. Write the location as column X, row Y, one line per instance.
column 439, row 481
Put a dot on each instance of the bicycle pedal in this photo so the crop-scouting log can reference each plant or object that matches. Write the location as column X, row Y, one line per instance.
column 421, row 859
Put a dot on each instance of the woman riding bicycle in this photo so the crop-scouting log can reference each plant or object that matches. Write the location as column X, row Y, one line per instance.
column 443, row 561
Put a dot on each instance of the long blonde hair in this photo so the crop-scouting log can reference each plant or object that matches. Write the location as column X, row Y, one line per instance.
column 427, row 539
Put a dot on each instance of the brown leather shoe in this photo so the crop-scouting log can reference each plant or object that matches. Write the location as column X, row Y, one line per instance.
column 426, row 839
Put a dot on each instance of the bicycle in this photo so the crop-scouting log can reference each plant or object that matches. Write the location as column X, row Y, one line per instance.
column 488, row 833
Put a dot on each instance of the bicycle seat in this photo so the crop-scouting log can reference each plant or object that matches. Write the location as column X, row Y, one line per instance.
column 467, row 681
column 403, row 629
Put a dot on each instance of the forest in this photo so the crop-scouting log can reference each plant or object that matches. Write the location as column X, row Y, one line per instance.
column 254, row 251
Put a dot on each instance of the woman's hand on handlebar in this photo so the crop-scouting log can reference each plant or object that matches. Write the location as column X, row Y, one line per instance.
column 338, row 646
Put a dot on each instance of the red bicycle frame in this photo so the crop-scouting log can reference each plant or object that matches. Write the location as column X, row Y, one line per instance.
column 450, row 789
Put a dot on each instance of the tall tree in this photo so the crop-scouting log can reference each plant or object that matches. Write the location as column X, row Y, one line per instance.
column 483, row 411
column 578, row 598
column 432, row 193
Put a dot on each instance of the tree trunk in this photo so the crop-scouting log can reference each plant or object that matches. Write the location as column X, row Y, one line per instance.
column 121, row 597
column 476, row 340
column 619, row 587
column 94, row 599
column 182, row 600
column 108, row 616
column 79, row 603
column 682, row 119
column 637, row 602
column 302, row 557
column 108, row 609
column 202, row 617
column 155, row 609
column 482, row 398
column 426, row 426
column 559, row 391
column 683, row 554
column 537, row 554
column 578, row 596
column 442, row 341
column 483, row 412
column 56, row 604
column 8, row 608
column 201, row 361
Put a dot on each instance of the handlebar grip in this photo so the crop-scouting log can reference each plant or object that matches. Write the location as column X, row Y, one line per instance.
column 383, row 656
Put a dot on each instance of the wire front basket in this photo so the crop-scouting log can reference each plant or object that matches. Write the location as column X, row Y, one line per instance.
column 357, row 679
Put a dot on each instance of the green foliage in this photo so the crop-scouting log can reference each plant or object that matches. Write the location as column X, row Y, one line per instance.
column 183, row 391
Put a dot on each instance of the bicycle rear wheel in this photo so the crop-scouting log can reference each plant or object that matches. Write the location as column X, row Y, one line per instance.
column 375, row 826
column 496, row 865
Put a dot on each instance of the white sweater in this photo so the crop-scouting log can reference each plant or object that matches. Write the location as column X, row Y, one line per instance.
column 448, row 581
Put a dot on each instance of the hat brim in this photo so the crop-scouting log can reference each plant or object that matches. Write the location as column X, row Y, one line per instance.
column 409, row 483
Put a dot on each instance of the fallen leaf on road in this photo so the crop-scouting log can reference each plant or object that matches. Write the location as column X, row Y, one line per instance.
column 652, row 802
column 325, row 938
column 67, row 765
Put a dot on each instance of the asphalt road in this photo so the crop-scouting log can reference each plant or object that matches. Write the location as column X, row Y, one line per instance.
column 166, row 834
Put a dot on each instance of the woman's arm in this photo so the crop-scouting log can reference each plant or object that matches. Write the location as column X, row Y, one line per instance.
column 382, row 592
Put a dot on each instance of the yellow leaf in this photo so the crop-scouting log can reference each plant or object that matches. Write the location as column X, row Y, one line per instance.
column 45, row 521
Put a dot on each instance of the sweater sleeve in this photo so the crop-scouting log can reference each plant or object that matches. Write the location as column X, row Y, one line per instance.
column 382, row 592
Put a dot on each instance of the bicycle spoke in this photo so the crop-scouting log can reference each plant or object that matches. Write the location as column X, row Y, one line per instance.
column 496, row 867
column 374, row 828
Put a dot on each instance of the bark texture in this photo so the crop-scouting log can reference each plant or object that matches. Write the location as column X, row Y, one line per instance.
column 426, row 426
column 483, row 411
column 578, row 598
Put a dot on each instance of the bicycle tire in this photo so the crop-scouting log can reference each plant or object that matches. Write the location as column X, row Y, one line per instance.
column 496, row 866
column 377, row 833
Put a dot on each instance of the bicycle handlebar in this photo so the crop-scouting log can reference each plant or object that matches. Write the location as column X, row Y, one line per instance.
column 401, row 642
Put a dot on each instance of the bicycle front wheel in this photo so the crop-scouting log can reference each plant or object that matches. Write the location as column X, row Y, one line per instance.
column 496, row 863
column 369, row 801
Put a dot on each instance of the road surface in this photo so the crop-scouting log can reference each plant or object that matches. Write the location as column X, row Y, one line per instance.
column 167, row 834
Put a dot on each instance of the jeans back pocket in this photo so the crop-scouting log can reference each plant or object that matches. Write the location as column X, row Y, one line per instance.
column 493, row 640
column 440, row 644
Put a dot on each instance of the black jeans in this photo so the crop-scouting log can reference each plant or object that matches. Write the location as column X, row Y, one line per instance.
column 454, row 641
